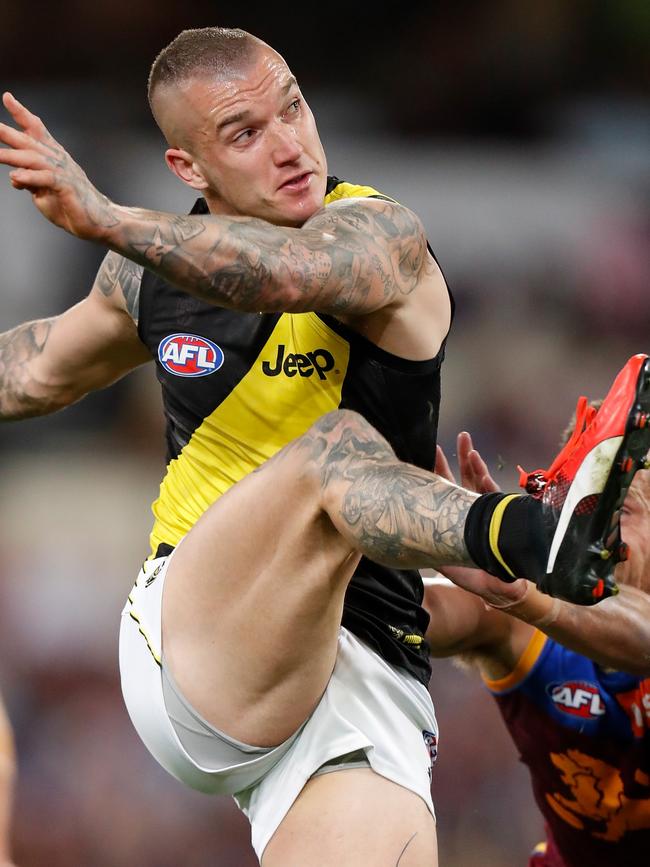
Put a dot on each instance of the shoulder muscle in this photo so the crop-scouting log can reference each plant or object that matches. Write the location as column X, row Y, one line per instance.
column 377, row 249
column 119, row 281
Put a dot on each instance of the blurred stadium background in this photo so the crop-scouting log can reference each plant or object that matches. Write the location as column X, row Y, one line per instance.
column 520, row 132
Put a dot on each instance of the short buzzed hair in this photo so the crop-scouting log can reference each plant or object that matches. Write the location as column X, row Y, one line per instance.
column 204, row 51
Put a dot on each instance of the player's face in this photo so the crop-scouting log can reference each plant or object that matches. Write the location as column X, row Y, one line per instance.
column 256, row 144
column 635, row 531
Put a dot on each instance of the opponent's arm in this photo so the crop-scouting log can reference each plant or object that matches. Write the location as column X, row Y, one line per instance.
column 352, row 258
column 51, row 363
column 615, row 633
column 460, row 621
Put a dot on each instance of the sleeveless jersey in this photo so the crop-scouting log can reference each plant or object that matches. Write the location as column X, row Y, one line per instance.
column 584, row 733
column 238, row 386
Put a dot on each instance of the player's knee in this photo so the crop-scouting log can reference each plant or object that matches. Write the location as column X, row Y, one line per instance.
column 333, row 425
column 337, row 441
column 344, row 428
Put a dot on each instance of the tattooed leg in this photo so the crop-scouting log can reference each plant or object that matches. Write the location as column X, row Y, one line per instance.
column 394, row 513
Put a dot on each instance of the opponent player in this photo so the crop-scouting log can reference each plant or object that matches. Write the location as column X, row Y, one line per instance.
column 573, row 687
column 287, row 295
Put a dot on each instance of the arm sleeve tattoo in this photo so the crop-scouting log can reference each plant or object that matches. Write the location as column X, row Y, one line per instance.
column 118, row 274
column 352, row 257
column 30, row 388
column 20, row 394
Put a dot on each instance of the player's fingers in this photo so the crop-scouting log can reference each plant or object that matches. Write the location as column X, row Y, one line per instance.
column 20, row 113
column 29, row 179
column 485, row 482
column 463, row 450
column 27, row 159
column 18, row 141
column 442, row 467
column 15, row 138
column 24, row 117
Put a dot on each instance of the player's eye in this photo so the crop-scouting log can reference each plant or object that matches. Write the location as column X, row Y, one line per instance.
column 244, row 136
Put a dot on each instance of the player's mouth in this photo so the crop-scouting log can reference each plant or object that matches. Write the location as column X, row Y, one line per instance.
column 298, row 183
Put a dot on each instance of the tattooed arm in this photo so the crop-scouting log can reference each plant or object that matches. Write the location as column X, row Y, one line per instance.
column 51, row 363
column 353, row 258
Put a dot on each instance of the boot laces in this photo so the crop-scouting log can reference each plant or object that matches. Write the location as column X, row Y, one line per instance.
column 535, row 482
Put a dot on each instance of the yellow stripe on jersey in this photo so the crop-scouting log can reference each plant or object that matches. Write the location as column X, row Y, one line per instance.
column 305, row 364
column 352, row 191
column 258, row 417
column 527, row 660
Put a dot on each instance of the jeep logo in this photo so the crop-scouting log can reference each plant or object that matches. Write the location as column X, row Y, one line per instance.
column 320, row 360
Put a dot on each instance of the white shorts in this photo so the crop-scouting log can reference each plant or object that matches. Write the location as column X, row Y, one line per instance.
column 368, row 706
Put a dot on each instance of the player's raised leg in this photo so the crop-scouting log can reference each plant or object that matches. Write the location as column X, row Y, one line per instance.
column 254, row 594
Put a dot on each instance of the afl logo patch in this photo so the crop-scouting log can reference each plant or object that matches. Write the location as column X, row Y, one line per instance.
column 189, row 355
column 577, row 698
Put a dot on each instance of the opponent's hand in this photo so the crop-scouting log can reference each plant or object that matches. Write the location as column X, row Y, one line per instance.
column 494, row 592
column 60, row 189
column 475, row 476
column 474, row 472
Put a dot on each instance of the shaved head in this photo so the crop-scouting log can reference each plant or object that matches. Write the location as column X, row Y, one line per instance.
column 218, row 53
column 239, row 131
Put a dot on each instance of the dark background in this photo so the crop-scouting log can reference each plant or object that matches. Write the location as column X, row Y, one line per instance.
column 520, row 133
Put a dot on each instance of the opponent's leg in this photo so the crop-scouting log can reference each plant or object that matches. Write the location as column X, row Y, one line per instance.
column 354, row 817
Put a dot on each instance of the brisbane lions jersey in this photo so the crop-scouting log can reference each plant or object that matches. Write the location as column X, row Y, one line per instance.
column 238, row 386
column 584, row 733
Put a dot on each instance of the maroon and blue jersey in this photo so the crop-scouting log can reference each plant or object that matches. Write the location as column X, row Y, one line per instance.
column 584, row 734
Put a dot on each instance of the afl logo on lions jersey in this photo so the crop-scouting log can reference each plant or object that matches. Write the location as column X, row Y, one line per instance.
column 577, row 698
column 189, row 355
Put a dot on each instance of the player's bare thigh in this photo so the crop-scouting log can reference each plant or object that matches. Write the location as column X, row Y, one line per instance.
column 354, row 817
column 253, row 601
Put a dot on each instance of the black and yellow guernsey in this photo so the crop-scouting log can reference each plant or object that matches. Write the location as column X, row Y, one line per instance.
column 238, row 386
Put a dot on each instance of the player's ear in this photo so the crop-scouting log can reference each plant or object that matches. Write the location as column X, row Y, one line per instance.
column 181, row 164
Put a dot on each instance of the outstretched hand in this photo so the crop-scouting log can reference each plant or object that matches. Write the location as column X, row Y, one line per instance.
column 59, row 188
column 475, row 476
column 474, row 472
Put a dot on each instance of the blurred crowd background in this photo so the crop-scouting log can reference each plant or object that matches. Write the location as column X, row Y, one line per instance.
column 520, row 132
